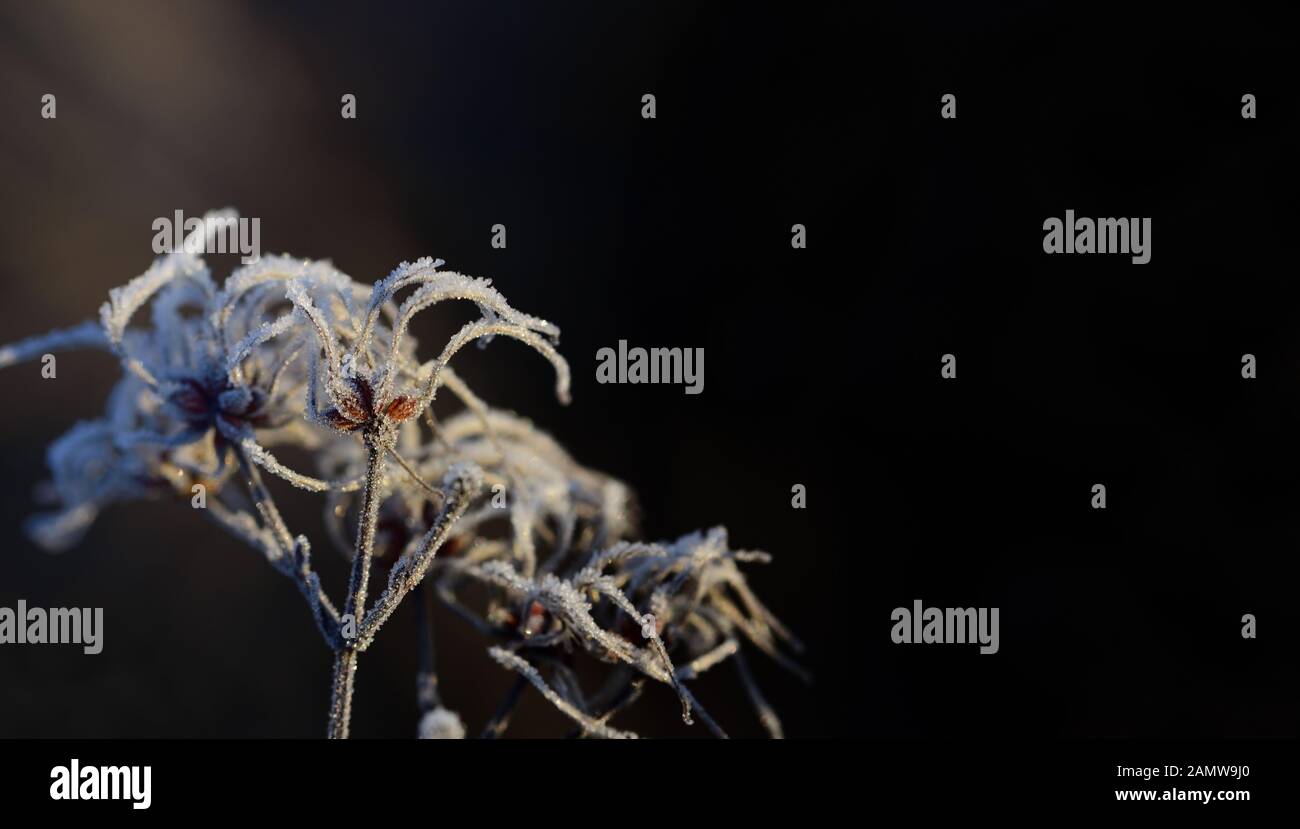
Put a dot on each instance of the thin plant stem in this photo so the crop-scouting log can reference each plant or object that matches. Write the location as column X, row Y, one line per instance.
column 263, row 502
column 345, row 660
column 496, row 727
column 294, row 556
column 460, row 488
column 426, row 680
column 345, row 672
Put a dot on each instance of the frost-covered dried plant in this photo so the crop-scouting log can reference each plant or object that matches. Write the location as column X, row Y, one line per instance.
column 292, row 352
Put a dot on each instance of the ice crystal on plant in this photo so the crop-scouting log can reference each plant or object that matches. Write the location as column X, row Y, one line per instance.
column 441, row 724
column 293, row 352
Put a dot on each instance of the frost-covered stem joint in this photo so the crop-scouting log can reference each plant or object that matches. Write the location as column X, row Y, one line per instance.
column 459, row 487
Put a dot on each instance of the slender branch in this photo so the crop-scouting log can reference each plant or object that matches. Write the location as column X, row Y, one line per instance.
column 241, row 525
column 708, row 721
column 345, row 672
column 345, row 661
column 629, row 687
column 461, row 485
column 263, row 502
column 426, row 680
column 448, row 598
column 705, row 661
column 292, row 556
column 766, row 714
column 410, row 470
column 525, row 669
column 496, row 727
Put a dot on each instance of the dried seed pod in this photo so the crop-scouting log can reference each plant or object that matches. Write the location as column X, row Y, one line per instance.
column 401, row 408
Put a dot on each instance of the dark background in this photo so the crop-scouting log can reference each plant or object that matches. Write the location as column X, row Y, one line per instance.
column 822, row 365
